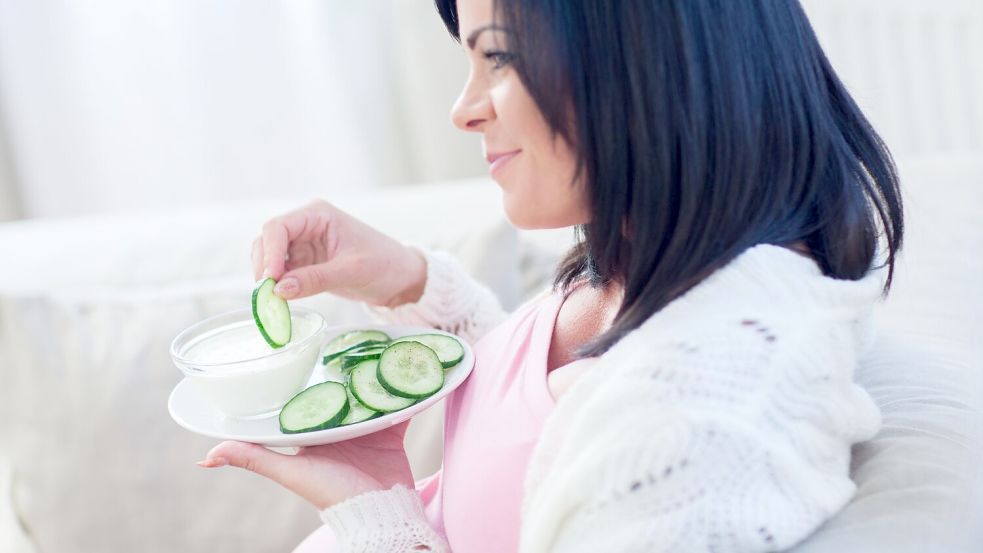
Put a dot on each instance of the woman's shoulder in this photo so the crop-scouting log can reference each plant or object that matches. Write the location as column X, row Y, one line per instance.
column 769, row 311
column 767, row 303
column 767, row 281
column 737, row 357
column 759, row 354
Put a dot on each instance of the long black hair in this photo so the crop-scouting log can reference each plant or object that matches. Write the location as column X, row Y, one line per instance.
column 702, row 128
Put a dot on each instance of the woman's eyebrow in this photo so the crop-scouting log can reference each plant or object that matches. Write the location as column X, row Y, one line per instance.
column 473, row 37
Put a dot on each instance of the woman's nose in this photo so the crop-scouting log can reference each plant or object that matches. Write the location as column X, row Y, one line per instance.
column 472, row 109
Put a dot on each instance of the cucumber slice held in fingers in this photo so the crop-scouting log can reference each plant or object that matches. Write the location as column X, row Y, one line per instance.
column 321, row 406
column 449, row 350
column 410, row 369
column 271, row 314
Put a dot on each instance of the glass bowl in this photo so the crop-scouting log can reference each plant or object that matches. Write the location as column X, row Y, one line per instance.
column 230, row 364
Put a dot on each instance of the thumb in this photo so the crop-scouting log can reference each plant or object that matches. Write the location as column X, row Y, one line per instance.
column 309, row 280
column 400, row 428
column 290, row 471
column 252, row 457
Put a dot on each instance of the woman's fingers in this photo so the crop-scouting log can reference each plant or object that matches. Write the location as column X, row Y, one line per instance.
column 252, row 457
column 289, row 288
column 321, row 484
column 276, row 240
column 279, row 232
column 257, row 258
column 290, row 471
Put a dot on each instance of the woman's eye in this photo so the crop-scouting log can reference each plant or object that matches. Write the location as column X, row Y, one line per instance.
column 499, row 59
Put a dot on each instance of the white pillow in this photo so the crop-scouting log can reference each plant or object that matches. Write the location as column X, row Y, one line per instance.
column 919, row 481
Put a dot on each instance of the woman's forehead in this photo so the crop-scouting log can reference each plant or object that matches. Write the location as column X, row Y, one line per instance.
column 473, row 14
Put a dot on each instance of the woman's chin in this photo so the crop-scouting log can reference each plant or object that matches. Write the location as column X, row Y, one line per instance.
column 517, row 222
column 521, row 218
column 532, row 219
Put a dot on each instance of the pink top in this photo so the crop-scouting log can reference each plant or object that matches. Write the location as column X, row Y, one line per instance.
column 491, row 424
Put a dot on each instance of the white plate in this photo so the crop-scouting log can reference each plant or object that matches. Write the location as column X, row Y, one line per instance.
column 190, row 410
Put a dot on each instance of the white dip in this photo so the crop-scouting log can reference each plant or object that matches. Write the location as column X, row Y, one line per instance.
column 242, row 376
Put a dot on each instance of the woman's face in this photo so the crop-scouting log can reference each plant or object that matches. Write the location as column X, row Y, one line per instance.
column 533, row 170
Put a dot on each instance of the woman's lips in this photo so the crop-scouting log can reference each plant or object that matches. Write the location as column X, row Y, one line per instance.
column 498, row 160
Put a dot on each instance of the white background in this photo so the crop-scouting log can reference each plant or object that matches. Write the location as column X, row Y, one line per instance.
column 121, row 105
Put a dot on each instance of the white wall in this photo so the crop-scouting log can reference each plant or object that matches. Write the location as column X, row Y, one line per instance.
column 115, row 105
column 10, row 205
column 121, row 105
column 914, row 66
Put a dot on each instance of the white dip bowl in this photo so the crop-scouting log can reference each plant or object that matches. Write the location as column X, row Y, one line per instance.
column 231, row 365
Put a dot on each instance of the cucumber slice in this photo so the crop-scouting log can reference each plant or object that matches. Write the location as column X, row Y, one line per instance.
column 358, row 412
column 336, row 355
column 448, row 350
column 349, row 360
column 334, row 364
column 411, row 370
column 271, row 314
column 368, row 348
column 351, row 340
column 321, row 406
column 366, row 388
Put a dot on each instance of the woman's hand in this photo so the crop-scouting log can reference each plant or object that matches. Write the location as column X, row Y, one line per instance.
column 319, row 248
column 326, row 474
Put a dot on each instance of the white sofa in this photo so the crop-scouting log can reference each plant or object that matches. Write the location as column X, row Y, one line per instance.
column 91, row 462
column 89, row 458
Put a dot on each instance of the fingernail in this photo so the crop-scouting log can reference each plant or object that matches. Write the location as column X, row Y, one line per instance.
column 212, row 463
column 287, row 288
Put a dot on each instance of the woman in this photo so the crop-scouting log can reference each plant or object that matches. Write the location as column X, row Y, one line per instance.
column 687, row 383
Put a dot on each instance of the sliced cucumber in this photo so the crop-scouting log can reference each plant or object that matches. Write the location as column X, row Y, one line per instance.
column 411, row 370
column 271, row 314
column 358, row 412
column 334, row 364
column 449, row 350
column 368, row 348
column 321, row 406
column 348, row 361
column 351, row 340
column 357, row 337
column 366, row 388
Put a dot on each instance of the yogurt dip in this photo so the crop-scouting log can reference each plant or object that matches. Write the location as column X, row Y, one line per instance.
column 232, row 366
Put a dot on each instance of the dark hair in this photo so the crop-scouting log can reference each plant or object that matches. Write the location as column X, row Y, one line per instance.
column 702, row 128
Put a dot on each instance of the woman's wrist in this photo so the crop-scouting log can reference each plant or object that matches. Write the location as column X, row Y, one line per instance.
column 393, row 504
column 386, row 520
column 412, row 291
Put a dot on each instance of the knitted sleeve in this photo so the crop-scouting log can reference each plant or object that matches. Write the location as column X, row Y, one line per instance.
column 734, row 442
column 384, row 521
column 452, row 301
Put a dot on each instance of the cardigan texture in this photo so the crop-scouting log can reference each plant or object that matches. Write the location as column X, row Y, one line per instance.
column 724, row 423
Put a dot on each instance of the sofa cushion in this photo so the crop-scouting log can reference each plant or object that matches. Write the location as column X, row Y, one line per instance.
column 90, row 457
column 920, row 484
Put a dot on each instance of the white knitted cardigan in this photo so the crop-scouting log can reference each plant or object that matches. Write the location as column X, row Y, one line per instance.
column 722, row 424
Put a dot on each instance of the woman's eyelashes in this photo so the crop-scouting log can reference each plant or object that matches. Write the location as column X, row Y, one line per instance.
column 498, row 58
